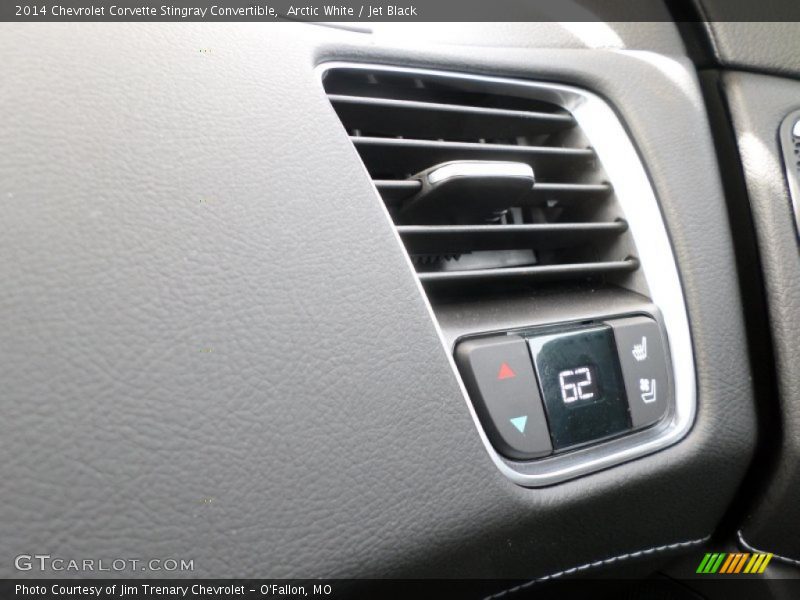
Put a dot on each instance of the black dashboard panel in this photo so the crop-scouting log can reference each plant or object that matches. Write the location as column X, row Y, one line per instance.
column 215, row 347
column 759, row 104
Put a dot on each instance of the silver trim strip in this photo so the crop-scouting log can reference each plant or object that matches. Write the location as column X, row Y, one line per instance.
column 637, row 199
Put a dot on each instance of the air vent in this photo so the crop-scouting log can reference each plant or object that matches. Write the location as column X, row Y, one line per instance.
column 522, row 205
column 487, row 183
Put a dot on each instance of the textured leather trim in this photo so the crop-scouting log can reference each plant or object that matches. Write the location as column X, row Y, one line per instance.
column 600, row 563
column 758, row 105
column 746, row 546
column 214, row 348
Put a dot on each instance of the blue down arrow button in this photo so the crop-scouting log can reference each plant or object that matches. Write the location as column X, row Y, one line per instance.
column 498, row 373
column 519, row 423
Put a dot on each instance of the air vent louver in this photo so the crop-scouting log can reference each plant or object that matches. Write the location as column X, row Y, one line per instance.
column 486, row 184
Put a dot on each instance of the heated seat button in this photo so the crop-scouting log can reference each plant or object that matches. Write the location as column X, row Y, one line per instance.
column 642, row 355
column 499, row 377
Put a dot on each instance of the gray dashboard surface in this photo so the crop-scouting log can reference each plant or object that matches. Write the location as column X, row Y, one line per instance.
column 214, row 348
column 763, row 46
column 759, row 104
column 658, row 37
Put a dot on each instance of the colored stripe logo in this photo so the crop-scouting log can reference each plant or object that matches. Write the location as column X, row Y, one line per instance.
column 734, row 563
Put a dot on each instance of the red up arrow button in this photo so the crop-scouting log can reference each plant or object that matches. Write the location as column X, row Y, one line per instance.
column 505, row 372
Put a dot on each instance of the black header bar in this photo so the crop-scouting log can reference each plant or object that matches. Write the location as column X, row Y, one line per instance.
column 370, row 11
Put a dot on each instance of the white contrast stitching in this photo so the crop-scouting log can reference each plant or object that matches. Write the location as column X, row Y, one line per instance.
column 599, row 563
column 786, row 559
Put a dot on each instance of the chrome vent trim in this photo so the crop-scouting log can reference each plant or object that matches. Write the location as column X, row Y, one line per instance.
column 655, row 259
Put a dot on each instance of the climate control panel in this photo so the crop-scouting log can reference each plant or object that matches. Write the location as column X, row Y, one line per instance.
column 550, row 390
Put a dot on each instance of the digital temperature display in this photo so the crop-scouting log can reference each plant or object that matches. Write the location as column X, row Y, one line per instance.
column 581, row 383
column 578, row 384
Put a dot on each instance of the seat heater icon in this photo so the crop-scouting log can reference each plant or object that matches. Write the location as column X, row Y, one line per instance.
column 640, row 350
column 648, row 389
